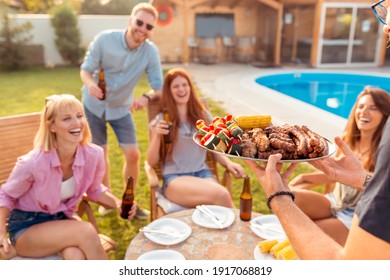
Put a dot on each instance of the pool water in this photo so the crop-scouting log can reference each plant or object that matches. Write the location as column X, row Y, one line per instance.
column 333, row 92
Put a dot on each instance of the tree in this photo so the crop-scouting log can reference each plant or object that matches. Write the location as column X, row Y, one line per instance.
column 68, row 38
column 47, row 6
column 14, row 39
column 38, row 6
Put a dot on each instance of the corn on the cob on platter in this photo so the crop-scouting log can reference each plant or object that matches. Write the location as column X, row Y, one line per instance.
column 280, row 250
column 254, row 137
column 253, row 121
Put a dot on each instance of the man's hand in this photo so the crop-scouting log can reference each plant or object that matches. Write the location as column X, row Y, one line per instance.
column 95, row 91
column 346, row 168
column 139, row 104
column 270, row 176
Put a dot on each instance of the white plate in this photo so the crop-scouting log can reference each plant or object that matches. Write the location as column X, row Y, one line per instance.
column 161, row 255
column 261, row 256
column 225, row 214
column 168, row 224
column 268, row 221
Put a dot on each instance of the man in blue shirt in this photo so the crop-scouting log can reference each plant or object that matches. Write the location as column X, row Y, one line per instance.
column 124, row 56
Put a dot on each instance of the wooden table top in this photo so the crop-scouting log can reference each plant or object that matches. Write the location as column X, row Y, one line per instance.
column 234, row 242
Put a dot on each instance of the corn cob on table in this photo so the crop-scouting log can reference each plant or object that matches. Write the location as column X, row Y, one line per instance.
column 279, row 250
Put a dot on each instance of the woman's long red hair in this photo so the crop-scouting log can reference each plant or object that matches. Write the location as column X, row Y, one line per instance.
column 196, row 109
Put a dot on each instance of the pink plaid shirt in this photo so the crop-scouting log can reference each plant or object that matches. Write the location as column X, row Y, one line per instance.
column 35, row 181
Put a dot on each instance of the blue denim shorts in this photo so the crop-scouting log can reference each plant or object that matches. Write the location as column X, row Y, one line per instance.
column 124, row 129
column 345, row 215
column 204, row 173
column 19, row 221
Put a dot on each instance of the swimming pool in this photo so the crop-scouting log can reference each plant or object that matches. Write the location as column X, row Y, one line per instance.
column 334, row 92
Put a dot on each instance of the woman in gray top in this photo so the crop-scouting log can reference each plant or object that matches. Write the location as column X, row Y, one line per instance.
column 188, row 181
column 333, row 212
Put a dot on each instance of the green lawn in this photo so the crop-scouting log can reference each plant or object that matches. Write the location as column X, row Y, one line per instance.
column 25, row 91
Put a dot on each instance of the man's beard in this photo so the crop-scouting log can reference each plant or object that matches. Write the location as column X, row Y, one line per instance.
column 137, row 38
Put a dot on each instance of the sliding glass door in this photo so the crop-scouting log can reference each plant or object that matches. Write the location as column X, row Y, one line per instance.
column 349, row 35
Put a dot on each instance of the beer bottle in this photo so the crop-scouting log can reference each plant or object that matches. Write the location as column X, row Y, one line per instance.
column 128, row 198
column 102, row 83
column 246, row 201
column 167, row 137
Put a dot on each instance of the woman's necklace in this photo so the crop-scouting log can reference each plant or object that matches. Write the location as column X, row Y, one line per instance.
column 361, row 154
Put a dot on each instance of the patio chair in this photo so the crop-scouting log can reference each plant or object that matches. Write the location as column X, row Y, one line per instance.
column 160, row 205
column 228, row 45
column 194, row 46
column 16, row 138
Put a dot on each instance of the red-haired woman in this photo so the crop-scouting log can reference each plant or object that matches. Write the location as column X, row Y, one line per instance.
column 187, row 180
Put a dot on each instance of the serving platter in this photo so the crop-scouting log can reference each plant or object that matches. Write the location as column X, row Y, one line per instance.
column 331, row 146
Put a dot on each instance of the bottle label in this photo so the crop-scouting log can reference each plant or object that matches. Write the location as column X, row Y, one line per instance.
column 128, row 199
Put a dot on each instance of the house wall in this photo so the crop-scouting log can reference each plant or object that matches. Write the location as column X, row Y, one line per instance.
column 89, row 26
column 252, row 18
column 266, row 32
column 172, row 38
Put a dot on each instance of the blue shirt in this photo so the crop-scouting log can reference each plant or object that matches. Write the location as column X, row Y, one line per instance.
column 123, row 68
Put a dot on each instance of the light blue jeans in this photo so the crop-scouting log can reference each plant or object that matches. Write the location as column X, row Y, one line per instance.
column 19, row 221
column 124, row 129
column 204, row 173
column 345, row 215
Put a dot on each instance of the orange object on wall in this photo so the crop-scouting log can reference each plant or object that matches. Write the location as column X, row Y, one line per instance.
column 165, row 15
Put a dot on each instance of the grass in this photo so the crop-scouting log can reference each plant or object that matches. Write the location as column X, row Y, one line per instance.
column 25, row 91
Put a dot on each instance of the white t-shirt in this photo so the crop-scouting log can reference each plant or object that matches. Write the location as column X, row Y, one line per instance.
column 68, row 189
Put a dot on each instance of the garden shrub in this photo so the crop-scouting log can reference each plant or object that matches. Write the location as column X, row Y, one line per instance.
column 68, row 38
column 14, row 39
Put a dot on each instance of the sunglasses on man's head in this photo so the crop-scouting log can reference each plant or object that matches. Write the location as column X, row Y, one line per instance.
column 148, row 26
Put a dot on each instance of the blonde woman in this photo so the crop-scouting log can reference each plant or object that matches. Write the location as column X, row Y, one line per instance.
column 41, row 194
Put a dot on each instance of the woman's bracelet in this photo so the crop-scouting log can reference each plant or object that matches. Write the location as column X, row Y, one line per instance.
column 277, row 194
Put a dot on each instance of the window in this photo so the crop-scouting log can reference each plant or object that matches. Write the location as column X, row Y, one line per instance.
column 350, row 35
column 214, row 25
